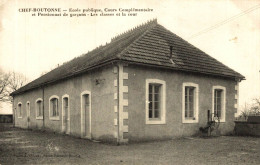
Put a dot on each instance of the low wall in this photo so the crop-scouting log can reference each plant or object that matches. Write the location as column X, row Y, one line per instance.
column 6, row 118
column 246, row 128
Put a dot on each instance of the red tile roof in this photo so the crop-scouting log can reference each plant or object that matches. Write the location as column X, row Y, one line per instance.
column 146, row 44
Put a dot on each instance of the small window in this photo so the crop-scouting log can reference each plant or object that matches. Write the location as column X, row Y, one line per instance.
column 39, row 109
column 218, row 102
column 190, row 103
column 54, row 108
column 19, row 110
column 155, row 101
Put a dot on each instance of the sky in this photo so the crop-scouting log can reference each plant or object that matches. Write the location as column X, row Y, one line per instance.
column 34, row 45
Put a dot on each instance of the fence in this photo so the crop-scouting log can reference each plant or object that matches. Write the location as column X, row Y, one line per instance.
column 248, row 127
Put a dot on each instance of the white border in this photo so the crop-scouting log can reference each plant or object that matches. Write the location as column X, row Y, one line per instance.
column 38, row 117
column 18, row 110
column 223, row 102
column 163, row 101
column 63, row 115
column 82, row 118
column 196, row 108
column 56, row 117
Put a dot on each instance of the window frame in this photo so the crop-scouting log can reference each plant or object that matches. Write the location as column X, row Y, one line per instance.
column 19, row 111
column 162, row 103
column 36, row 109
column 195, row 103
column 50, row 110
column 223, row 101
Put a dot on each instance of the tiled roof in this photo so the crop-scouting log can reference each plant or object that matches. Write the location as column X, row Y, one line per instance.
column 146, row 44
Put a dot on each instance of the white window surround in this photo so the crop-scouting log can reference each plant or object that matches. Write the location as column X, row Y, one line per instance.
column 163, row 101
column 223, row 102
column 196, row 106
column 86, row 92
column 20, row 103
column 38, row 117
column 63, row 113
column 54, row 117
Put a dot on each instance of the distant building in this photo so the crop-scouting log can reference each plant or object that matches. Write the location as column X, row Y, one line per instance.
column 6, row 113
column 146, row 84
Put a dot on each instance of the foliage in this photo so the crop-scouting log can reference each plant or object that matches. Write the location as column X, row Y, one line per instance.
column 10, row 82
column 251, row 109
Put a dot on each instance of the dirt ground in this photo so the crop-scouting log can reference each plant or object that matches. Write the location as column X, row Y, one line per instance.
column 18, row 146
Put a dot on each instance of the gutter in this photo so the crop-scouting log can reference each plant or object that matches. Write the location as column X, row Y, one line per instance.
column 68, row 76
column 130, row 62
column 185, row 70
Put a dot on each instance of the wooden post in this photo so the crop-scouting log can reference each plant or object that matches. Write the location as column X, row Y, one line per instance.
column 209, row 120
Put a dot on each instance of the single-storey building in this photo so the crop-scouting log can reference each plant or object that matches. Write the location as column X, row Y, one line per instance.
column 147, row 83
column 6, row 114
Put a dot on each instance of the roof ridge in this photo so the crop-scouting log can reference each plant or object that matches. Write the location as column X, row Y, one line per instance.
column 143, row 34
column 198, row 49
column 143, row 26
column 92, row 53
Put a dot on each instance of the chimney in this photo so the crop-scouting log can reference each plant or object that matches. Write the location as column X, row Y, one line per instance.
column 170, row 52
column 171, row 55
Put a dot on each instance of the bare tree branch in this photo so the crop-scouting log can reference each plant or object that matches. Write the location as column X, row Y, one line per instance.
column 10, row 82
column 251, row 109
column 4, row 82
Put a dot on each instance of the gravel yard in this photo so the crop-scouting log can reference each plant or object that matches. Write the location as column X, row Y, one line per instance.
column 19, row 146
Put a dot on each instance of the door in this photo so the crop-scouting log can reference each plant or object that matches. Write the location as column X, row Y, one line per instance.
column 86, row 115
column 66, row 111
column 28, row 114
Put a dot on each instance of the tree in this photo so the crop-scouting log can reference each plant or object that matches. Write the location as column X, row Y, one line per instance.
column 10, row 82
column 16, row 81
column 255, row 108
column 251, row 109
column 4, row 82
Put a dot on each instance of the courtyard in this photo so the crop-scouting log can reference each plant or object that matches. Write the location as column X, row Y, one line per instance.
column 19, row 146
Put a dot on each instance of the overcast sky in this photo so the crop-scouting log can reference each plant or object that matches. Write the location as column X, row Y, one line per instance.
column 33, row 45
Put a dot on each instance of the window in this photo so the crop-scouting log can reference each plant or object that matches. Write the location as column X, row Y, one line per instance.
column 155, row 101
column 39, row 109
column 190, row 102
column 53, row 108
column 19, row 110
column 219, row 102
column 28, row 109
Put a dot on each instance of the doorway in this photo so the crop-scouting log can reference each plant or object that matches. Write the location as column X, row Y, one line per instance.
column 66, row 115
column 28, row 114
column 86, row 115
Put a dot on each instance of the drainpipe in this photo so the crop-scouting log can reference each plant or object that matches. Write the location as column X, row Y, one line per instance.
column 43, row 124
